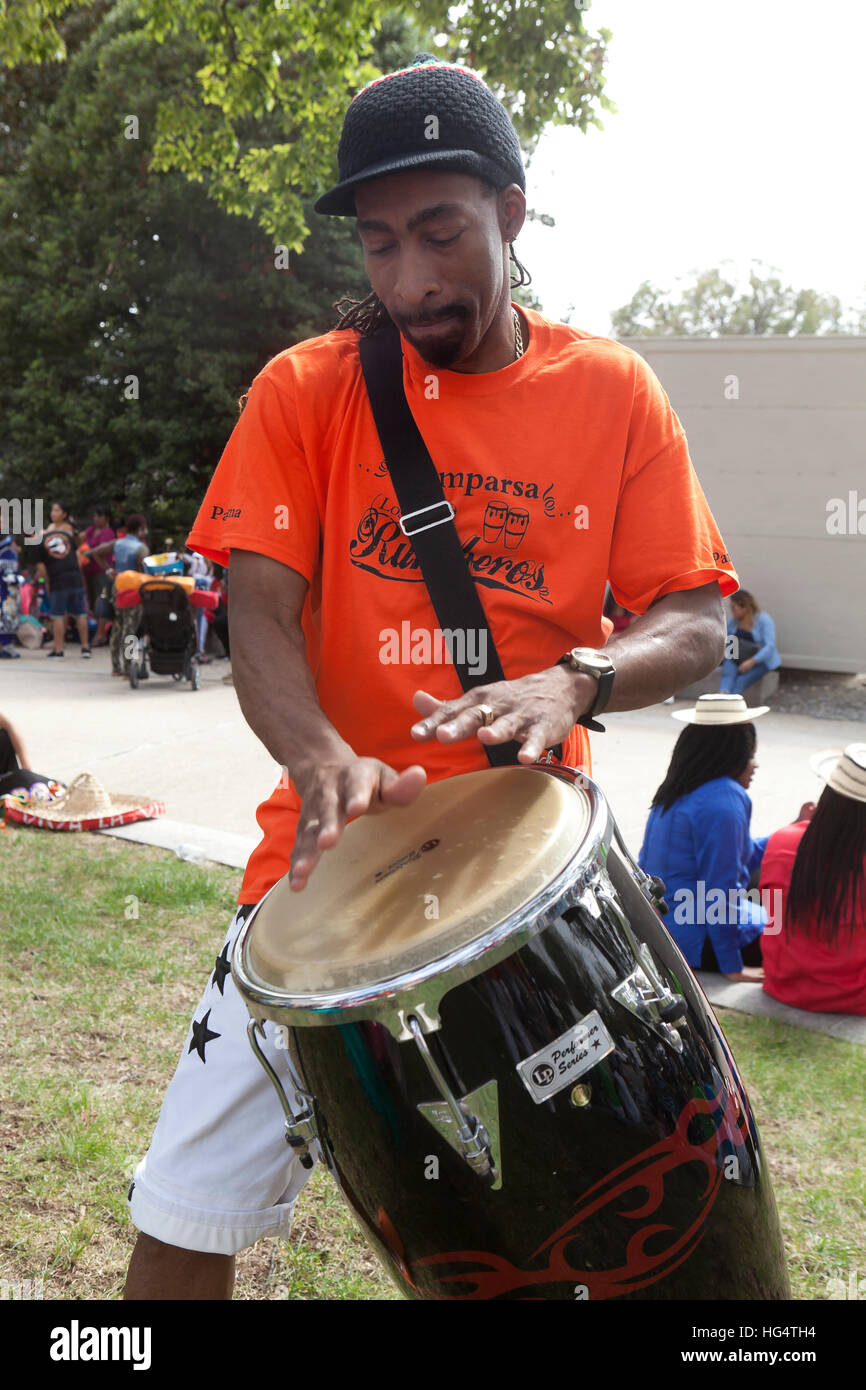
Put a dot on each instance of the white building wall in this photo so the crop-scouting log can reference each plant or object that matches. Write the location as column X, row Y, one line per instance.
column 776, row 429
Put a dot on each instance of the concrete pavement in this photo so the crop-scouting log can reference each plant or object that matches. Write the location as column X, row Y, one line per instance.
column 195, row 752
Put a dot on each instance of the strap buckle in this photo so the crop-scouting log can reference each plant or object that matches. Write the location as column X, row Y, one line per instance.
column 427, row 525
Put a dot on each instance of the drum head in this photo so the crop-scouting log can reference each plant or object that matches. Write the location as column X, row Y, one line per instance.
column 409, row 886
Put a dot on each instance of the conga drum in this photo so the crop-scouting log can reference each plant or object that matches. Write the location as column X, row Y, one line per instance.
column 504, row 1059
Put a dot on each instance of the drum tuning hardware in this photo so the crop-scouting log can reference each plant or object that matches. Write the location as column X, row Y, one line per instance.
column 301, row 1131
column 423, row 1014
column 455, row 1120
column 656, row 893
column 644, row 992
column 653, row 888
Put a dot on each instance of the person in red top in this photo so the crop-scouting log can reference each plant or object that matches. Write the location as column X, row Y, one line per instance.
column 96, row 579
column 566, row 467
column 814, row 948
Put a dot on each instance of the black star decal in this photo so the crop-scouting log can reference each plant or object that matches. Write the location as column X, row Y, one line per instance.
column 221, row 968
column 201, row 1036
column 596, row 1043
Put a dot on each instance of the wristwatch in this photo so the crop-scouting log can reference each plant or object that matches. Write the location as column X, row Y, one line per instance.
column 592, row 663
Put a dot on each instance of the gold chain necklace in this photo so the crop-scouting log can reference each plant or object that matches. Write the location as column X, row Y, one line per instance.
column 518, row 336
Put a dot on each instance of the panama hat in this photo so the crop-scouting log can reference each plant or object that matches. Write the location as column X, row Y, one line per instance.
column 719, row 709
column 843, row 769
column 85, row 805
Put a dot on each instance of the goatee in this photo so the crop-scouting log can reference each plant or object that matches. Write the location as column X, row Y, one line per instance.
column 437, row 354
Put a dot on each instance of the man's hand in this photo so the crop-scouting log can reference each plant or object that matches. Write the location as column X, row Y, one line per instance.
column 331, row 793
column 750, row 974
column 748, row 664
column 538, row 711
column 278, row 696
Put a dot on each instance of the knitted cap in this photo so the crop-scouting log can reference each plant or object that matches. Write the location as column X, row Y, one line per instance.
column 429, row 115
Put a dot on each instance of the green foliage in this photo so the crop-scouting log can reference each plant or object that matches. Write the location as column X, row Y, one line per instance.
column 715, row 304
column 157, row 157
column 294, row 65
column 111, row 271
column 538, row 58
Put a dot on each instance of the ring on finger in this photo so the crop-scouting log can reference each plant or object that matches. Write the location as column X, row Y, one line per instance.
column 487, row 715
column 312, row 825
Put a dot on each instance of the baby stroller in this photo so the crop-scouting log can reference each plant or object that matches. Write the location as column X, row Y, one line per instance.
column 166, row 632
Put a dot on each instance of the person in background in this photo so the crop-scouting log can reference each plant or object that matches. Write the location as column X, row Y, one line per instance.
column 221, row 616
column 10, row 597
column 201, row 570
column 815, row 947
column 698, row 833
column 95, row 570
column 13, row 754
column 16, row 775
column 120, row 508
column 129, row 552
column 619, row 616
column 27, row 592
column 58, row 560
column 754, row 652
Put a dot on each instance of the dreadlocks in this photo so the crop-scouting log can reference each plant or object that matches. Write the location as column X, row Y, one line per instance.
column 369, row 316
column 828, row 884
column 703, row 753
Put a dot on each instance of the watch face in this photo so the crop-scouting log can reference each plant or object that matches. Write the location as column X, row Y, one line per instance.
column 587, row 657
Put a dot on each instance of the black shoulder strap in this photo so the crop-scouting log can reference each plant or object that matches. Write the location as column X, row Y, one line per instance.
column 427, row 517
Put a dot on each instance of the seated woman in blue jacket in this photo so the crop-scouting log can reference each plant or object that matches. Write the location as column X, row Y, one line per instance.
column 748, row 623
column 698, row 838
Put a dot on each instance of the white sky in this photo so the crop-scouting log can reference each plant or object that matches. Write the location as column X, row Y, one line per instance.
column 739, row 135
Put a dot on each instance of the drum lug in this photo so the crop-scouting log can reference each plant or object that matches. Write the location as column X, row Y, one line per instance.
column 301, row 1131
column 652, row 887
column 424, row 1014
column 644, row 992
column 637, row 994
column 455, row 1121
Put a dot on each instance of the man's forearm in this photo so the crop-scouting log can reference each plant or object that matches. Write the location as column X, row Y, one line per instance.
column 678, row 640
column 277, row 693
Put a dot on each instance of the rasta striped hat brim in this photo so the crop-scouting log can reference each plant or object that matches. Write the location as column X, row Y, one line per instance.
column 843, row 769
column 713, row 710
column 429, row 115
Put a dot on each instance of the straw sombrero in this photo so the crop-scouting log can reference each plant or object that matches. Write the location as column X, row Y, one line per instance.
column 29, row 633
column 712, row 710
column 85, row 805
column 843, row 769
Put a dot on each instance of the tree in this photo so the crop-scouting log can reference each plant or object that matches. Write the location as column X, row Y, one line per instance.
column 294, row 64
column 716, row 304
column 135, row 311
column 141, row 295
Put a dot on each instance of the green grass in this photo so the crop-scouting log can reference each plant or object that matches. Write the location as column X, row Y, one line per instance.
column 104, row 949
column 807, row 1091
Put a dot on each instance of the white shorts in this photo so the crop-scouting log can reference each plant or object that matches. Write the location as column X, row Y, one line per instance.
column 219, row 1173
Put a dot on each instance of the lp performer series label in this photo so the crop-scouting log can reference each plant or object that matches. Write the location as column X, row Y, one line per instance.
column 561, row 1062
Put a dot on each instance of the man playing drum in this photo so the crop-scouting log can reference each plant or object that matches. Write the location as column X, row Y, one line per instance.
column 566, row 467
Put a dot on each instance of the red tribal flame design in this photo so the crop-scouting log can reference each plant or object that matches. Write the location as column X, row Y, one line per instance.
column 646, row 1172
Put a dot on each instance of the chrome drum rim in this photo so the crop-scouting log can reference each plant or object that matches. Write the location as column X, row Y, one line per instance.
column 419, row 992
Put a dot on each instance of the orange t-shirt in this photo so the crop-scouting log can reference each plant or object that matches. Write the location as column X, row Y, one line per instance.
column 565, row 469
